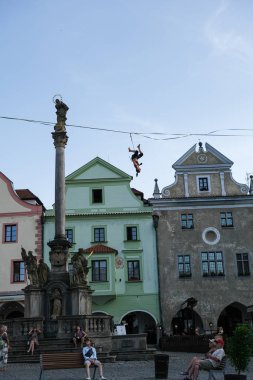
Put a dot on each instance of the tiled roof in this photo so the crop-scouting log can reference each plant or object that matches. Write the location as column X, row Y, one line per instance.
column 100, row 248
column 27, row 195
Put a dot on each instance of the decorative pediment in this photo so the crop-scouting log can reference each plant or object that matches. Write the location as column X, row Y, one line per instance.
column 202, row 159
column 97, row 168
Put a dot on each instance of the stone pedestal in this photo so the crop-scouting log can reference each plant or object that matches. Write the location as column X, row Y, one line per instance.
column 81, row 300
column 34, row 302
column 59, row 255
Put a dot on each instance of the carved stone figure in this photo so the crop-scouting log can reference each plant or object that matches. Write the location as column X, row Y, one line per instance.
column 61, row 113
column 80, row 268
column 56, row 303
column 31, row 267
column 43, row 272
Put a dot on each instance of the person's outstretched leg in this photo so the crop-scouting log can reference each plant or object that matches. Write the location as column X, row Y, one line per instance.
column 100, row 367
column 195, row 373
column 87, row 367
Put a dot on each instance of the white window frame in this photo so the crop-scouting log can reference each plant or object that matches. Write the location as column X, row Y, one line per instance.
column 208, row 181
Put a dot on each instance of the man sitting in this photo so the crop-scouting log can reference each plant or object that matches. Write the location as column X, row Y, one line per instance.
column 79, row 336
column 90, row 357
column 213, row 360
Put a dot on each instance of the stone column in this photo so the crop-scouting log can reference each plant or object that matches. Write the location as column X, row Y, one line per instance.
column 60, row 245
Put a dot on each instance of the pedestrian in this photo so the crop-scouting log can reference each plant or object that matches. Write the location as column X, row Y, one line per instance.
column 4, row 347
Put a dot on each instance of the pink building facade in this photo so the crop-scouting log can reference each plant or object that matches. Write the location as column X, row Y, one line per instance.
column 21, row 225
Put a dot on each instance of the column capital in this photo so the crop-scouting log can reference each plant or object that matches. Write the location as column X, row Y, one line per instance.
column 60, row 139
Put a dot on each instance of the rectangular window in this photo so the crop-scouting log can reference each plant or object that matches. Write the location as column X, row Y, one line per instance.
column 131, row 233
column 69, row 235
column 242, row 264
column 203, row 184
column 212, row 263
column 226, row 219
column 184, row 265
column 187, row 221
column 97, row 196
column 133, row 268
column 99, row 234
column 18, row 271
column 99, row 270
column 10, row 233
column 70, row 268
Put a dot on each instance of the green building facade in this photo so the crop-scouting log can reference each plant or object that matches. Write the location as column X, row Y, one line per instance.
column 112, row 224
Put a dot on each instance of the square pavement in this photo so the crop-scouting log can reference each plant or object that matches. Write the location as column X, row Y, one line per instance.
column 120, row 370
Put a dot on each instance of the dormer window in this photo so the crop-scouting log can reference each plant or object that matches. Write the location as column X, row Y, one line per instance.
column 203, row 184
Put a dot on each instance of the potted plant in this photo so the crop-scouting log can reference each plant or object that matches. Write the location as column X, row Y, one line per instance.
column 239, row 350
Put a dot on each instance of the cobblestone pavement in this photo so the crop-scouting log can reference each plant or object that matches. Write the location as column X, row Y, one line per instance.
column 132, row 370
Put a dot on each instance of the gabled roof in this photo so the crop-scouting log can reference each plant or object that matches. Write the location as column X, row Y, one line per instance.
column 183, row 162
column 100, row 248
column 110, row 171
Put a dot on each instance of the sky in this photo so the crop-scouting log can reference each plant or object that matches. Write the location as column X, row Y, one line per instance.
column 180, row 68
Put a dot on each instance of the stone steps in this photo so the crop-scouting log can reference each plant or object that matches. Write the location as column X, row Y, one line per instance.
column 18, row 352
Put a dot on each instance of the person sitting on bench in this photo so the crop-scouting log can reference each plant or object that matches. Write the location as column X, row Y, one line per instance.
column 90, row 357
column 213, row 360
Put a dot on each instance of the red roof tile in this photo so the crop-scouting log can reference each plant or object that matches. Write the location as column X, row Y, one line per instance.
column 100, row 248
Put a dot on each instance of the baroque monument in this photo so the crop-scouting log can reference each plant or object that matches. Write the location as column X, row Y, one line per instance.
column 61, row 300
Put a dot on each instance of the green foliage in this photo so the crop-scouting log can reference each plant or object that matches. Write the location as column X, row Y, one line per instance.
column 239, row 347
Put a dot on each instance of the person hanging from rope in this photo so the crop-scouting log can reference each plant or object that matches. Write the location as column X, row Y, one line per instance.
column 135, row 157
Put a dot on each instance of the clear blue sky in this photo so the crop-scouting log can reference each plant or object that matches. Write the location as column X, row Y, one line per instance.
column 170, row 66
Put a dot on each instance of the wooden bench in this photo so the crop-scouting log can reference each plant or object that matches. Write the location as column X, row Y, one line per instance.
column 62, row 360
column 221, row 368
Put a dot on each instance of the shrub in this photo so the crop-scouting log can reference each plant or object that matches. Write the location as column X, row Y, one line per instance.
column 239, row 347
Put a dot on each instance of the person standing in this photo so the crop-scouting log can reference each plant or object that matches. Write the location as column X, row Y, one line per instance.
column 4, row 347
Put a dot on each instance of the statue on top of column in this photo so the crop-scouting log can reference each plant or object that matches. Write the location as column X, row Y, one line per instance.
column 61, row 113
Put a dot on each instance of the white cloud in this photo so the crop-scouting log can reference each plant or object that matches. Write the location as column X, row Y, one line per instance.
column 228, row 41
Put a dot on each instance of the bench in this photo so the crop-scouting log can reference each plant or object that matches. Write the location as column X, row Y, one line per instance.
column 221, row 368
column 62, row 360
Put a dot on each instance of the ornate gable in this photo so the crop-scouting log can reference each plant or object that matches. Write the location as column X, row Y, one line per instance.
column 203, row 173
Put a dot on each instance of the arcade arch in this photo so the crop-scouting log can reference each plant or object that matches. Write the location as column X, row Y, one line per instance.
column 231, row 315
column 11, row 310
column 138, row 322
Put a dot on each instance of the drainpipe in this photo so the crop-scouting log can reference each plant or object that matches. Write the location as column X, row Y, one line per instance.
column 155, row 224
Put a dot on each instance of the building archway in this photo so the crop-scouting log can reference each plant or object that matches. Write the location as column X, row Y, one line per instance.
column 11, row 310
column 138, row 322
column 230, row 316
column 186, row 321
